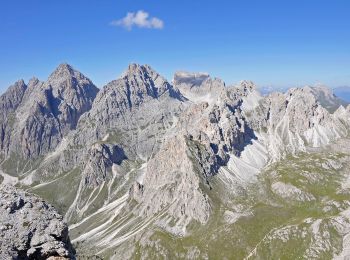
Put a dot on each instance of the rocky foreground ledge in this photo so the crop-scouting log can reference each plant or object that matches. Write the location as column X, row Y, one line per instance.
column 30, row 228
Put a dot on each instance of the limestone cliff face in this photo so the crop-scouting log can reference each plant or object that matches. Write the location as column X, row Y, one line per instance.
column 99, row 165
column 73, row 94
column 120, row 98
column 172, row 184
column 9, row 102
column 44, row 112
column 189, row 79
column 134, row 111
column 11, row 99
column 343, row 114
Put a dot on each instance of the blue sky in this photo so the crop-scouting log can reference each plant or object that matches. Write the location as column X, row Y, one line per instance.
column 278, row 43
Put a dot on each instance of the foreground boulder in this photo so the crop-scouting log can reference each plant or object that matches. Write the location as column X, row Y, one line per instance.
column 31, row 228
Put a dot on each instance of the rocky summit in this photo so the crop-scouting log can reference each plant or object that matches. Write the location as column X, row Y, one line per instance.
column 30, row 228
column 144, row 168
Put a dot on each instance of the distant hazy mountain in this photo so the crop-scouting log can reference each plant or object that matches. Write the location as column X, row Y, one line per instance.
column 343, row 92
column 265, row 90
column 194, row 169
column 329, row 98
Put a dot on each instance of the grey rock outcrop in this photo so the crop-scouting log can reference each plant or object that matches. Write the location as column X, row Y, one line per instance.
column 199, row 87
column 101, row 159
column 9, row 102
column 343, row 113
column 73, row 93
column 31, row 228
column 11, row 99
column 172, row 184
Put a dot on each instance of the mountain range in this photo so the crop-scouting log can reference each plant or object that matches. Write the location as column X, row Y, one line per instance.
column 343, row 92
column 144, row 168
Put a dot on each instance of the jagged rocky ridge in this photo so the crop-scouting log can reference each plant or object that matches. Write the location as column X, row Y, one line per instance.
column 142, row 154
column 40, row 114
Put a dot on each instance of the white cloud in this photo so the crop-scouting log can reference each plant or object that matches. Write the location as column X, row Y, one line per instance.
column 140, row 19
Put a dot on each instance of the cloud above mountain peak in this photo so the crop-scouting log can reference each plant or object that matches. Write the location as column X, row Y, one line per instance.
column 139, row 19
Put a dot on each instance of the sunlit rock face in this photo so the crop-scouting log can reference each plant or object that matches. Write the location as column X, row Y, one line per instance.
column 42, row 113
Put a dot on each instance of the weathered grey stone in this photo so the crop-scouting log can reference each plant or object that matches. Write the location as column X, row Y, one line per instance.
column 30, row 228
column 45, row 111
